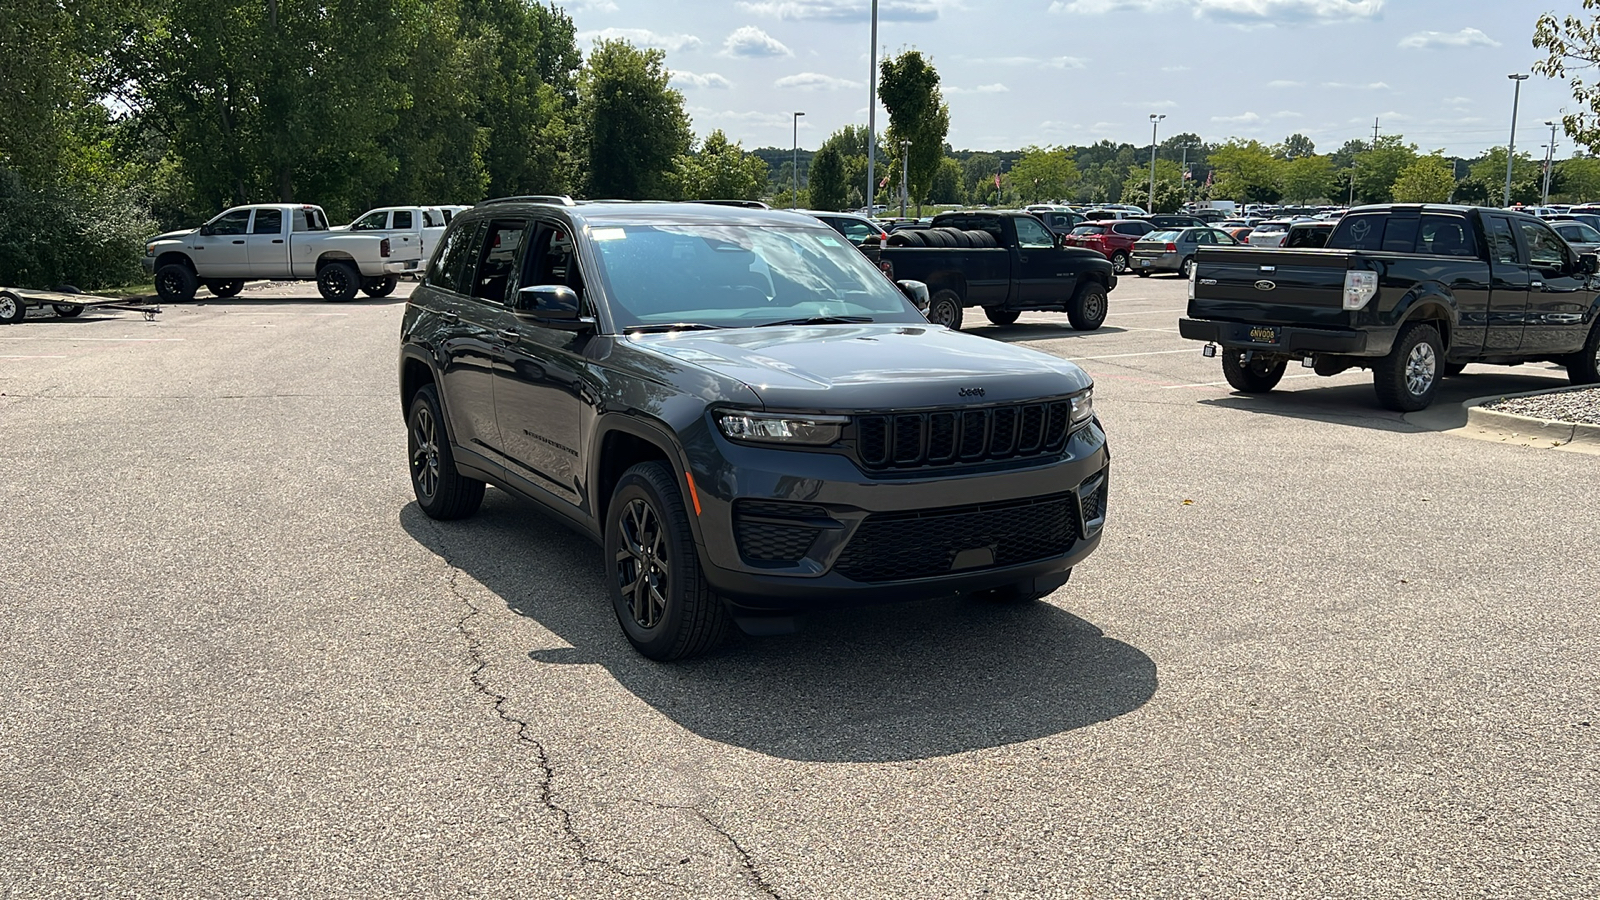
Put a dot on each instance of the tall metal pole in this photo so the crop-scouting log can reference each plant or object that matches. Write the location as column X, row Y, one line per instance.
column 1154, row 121
column 1183, row 176
column 872, row 117
column 794, row 165
column 1511, row 147
column 905, row 167
column 1549, row 162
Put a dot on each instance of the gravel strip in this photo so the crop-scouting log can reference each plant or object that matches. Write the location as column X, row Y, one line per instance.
column 1579, row 407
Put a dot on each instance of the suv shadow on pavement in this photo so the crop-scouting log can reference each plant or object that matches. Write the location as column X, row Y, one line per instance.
column 878, row 684
column 1351, row 403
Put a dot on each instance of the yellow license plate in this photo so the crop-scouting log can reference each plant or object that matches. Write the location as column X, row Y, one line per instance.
column 1264, row 335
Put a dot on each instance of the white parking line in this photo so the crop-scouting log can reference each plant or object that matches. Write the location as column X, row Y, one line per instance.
column 1225, row 384
column 58, row 337
column 1126, row 355
column 32, row 357
column 1153, row 312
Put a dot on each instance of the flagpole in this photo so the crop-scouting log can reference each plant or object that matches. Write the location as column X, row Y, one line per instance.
column 872, row 118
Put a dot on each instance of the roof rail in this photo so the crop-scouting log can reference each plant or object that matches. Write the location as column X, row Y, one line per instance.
column 552, row 199
column 742, row 204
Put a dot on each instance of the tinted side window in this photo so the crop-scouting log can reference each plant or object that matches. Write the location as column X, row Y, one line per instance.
column 1502, row 245
column 1032, row 235
column 1545, row 249
column 236, row 222
column 268, row 221
column 1401, row 235
column 402, row 220
column 1363, row 232
column 1446, row 236
column 501, row 241
column 447, row 263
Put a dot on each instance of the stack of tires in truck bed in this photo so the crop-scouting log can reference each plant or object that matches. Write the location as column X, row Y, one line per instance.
column 940, row 237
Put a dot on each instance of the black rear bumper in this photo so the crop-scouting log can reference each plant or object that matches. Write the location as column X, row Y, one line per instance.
column 1291, row 339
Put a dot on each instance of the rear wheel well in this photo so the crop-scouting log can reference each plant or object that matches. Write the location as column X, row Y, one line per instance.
column 619, row 452
column 413, row 377
column 946, row 281
column 328, row 259
column 1436, row 314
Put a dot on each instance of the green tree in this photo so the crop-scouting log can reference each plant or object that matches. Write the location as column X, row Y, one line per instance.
column 1577, row 180
column 1379, row 165
column 1296, row 146
column 525, row 72
column 1045, row 173
column 1486, row 179
column 1169, row 187
column 1572, row 45
column 1247, row 171
column 908, row 85
column 948, row 188
column 720, row 171
column 1307, row 178
column 828, row 187
column 1430, row 179
column 634, row 126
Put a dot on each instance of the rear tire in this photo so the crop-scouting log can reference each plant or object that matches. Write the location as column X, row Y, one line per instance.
column 1258, row 376
column 1186, row 267
column 1001, row 316
column 176, row 283
column 380, row 287
column 442, row 491
column 658, row 590
column 338, row 282
column 1119, row 262
column 1583, row 367
column 1087, row 311
column 946, row 309
column 12, row 310
column 225, row 288
column 68, row 310
column 1406, row 379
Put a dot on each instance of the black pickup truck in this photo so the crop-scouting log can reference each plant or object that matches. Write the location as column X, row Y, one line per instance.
column 1005, row 261
column 1411, row 292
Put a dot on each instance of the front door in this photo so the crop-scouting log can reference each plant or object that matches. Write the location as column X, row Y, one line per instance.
column 542, row 376
column 222, row 253
column 1041, row 269
column 1558, row 294
column 1508, row 289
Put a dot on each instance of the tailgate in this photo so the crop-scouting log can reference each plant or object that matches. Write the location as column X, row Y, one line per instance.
column 1276, row 287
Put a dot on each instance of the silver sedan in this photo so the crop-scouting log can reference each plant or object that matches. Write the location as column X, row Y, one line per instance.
column 1173, row 251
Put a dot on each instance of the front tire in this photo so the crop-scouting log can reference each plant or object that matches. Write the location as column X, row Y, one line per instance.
column 1119, row 262
column 659, row 592
column 442, row 491
column 225, row 289
column 945, row 309
column 338, row 282
column 1001, row 316
column 1258, row 376
column 176, row 283
column 1583, row 367
column 12, row 310
column 1186, row 268
column 68, row 310
column 1087, row 311
column 1406, row 379
column 379, row 287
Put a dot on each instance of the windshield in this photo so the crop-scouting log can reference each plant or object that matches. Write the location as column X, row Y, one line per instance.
column 735, row 276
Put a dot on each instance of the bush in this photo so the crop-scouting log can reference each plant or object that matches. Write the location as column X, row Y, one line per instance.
column 70, row 234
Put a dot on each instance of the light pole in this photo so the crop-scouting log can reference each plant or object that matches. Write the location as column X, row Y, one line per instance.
column 794, row 164
column 872, row 117
column 1549, row 161
column 1154, row 121
column 1511, row 147
column 905, row 167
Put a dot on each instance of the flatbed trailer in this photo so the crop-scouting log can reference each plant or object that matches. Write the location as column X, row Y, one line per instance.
column 68, row 303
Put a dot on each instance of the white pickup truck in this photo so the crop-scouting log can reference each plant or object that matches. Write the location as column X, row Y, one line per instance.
column 410, row 228
column 280, row 242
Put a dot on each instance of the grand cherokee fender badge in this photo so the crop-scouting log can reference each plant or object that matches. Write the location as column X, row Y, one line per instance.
column 970, row 392
column 1264, row 285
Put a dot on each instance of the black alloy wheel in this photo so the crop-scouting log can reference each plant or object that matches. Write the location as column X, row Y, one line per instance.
column 380, row 287
column 176, row 283
column 644, row 564
column 442, row 492
column 338, row 282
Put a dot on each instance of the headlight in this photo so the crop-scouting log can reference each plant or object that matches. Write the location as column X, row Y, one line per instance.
column 781, row 428
column 1082, row 407
column 150, row 250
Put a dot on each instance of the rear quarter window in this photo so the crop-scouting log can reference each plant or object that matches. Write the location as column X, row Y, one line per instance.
column 1363, row 232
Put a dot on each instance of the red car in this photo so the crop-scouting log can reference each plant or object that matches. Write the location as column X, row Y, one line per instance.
column 1113, row 238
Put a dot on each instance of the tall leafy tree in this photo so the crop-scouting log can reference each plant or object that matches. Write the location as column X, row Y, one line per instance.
column 1486, row 179
column 1307, row 178
column 633, row 124
column 1378, row 166
column 1572, row 46
column 1296, row 146
column 829, row 190
column 527, row 65
column 1046, row 173
column 908, row 85
column 947, row 184
column 1428, row 179
column 720, row 171
column 1246, row 170
column 1577, row 180
column 1169, row 187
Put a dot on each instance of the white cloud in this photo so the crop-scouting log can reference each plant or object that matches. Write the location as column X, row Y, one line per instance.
column 995, row 88
column 816, row 81
column 1434, row 40
column 1288, row 114
column 1248, row 118
column 1457, row 101
column 1174, row 68
column 751, row 42
column 1241, row 12
column 1100, row 7
column 642, row 37
column 846, row 10
column 747, row 118
column 708, row 80
column 1067, row 62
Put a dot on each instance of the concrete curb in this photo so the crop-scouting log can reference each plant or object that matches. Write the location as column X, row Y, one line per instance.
column 1537, row 432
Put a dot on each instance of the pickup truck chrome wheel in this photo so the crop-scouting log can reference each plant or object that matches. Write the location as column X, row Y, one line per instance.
column 1422, row 368
column 1406, row 379
column 11, row 310
column 644, row 564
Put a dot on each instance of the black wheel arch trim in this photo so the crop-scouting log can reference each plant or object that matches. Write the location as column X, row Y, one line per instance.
column 637, row 424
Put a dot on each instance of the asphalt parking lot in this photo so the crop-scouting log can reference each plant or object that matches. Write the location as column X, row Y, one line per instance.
column 1325, row 650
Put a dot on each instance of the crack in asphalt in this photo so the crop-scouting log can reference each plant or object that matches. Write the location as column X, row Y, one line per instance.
column 746, row 860
column 480, row 663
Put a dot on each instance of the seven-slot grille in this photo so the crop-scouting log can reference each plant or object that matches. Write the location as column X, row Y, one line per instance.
column 898, row 546
column 961, row 436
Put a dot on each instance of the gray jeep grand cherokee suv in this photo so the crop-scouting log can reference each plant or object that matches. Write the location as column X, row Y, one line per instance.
column 746, row 415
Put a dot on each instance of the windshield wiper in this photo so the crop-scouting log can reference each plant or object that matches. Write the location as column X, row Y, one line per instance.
column 674, row 326
column 819, row 320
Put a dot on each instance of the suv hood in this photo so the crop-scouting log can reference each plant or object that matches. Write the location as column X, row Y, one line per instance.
column 870, row 366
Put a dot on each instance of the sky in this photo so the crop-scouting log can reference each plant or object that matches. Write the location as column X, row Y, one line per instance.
column 1044, row 72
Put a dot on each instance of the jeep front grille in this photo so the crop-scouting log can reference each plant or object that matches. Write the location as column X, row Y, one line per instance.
column 961, row 436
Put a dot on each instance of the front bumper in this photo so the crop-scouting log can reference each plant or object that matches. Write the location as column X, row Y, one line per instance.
column 149, row 264
column 1289, row 339
column 1078, row 480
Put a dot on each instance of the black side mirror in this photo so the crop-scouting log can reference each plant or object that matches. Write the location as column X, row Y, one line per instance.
column 1589, row 263
column 916, row 292
column 553, row 306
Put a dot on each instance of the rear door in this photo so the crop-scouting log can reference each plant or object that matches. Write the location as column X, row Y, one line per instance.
column 1557, row 293
column 266, row 246
column 467, row 338
column 1508, row 288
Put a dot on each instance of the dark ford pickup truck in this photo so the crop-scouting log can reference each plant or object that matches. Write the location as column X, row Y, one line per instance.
column 1411, row 292
column 1005, row 261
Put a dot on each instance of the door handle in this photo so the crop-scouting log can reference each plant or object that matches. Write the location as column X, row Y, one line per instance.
column 1536, row 284
column 238, row 242
column 510, row 334
column 277, row 240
